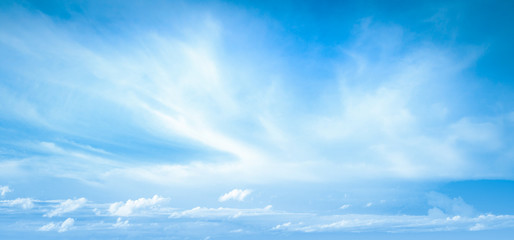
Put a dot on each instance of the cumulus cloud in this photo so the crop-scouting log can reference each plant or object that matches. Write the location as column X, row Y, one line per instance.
column 132, row 207
column 4, row 190
column 69, row 205
column 59, row 227
column 202, row 212
column 236, row 194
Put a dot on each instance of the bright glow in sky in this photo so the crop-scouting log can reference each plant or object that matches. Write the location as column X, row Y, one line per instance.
column 256, row 119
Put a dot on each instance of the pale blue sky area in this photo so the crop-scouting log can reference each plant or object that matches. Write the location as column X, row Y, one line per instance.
column 256, row 119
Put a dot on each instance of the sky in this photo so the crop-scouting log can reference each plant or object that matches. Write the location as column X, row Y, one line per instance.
column 256, row 119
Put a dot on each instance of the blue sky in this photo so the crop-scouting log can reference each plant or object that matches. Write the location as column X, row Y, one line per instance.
column 256, row 120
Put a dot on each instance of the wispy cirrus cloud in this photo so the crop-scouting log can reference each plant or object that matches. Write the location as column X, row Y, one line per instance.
column 182, row 88
column 305, row 102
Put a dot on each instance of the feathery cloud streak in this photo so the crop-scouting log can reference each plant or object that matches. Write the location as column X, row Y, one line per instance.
column 183, row 88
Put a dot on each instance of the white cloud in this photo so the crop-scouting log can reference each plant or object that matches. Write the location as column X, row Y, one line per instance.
column 477, row 227
column 59, row 227
column 396, row 223
column 132, row 207
column 201, row 212
column 450, row 206
column 66, row 206
column 66, row 225
column 236, row 194
column 4, row 190
column 184, row 89
column 345, row 206
column 121, row 224
column 281, row 226
column 25, row 203
column 49, row 227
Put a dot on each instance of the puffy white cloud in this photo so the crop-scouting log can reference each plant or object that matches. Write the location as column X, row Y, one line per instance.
column 236, row 194
column 202, row 212
column 25, row 203
column 4, row 190
column 69, row 205
column 133, row 206
column 59, row 227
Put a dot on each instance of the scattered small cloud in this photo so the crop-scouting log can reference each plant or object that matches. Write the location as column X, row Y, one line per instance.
column 369, row 204
column 4, row 190
column 345, row 206
column 282, row 226
column 69, row 205
column 236, row 194
column 59, row 227
column 121, row 224
column 132, row 206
